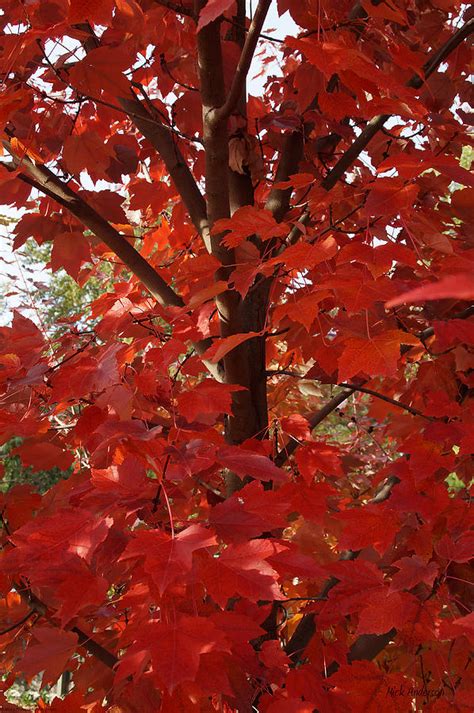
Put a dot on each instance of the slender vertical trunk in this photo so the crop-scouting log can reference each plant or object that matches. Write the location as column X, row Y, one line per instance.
column 255, row 311
column 227, row 190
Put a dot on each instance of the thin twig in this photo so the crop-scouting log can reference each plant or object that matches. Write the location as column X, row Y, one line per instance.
column 19, row 623
column 156, row 499
column 411, row 409
column 377, row 122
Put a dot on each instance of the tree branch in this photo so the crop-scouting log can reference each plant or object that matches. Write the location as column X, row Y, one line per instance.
column 217, row 169
column 366, row 646
column 46, row 182
column 162, row 139
column 319, row 416
column 288, row 450
column 90, row 645
column 177, row 7
column 37, row 606
column 241, row 189
column 42, row 178
column 17, row 624
column 150, row 125
column 244, row 422
column 411, row 409
column 278, row 201
column 377, row 123
column 429, row 331
column 215, row 134
column 306, row 628
column 223, row 112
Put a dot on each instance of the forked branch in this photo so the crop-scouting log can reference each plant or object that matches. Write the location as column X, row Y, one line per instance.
column 314, row 421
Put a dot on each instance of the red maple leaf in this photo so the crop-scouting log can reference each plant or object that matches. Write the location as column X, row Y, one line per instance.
column 374, row 356
column 458, row 286
column 207, row 399
column 48, row 652
column 236, row 456
column 168, row 558
column 412, row 571
column 387, row 611
column 175, row 649
column 242, row 569
column 249, row 220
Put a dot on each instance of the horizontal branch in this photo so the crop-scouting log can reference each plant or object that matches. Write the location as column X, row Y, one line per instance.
column 362, row 389
column 332, row 405
column 17, row 624
column 87, row 642
column 92, row 647
column 399, row 404
column 429, row 331
column 37, row 606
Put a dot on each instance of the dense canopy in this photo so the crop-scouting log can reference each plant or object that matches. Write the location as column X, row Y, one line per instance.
column 267, row 412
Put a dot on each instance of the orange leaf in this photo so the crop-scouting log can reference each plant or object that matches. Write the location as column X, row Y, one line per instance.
column 70, row 251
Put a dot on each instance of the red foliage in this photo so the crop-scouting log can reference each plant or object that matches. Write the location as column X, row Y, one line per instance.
column 276, row 381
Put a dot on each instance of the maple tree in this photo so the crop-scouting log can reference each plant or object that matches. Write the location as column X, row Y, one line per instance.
column 273, row 396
